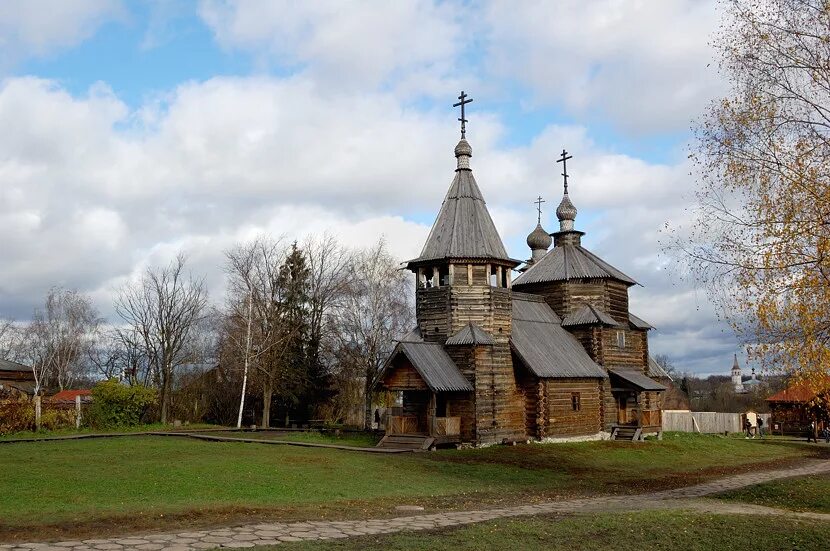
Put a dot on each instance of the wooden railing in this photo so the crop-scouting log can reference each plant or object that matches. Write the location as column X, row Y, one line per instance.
column 401, row 424
column 651, row 418
column 446, row 426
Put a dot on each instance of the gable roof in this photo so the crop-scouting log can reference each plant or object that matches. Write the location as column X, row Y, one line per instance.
column 639, row 323
column 470, row 334
column 542, row 345
column 656, row 370
column 589, row 315
column 801, row 392
column 69, row 395
column 8, row 365
column 636, row 378
column 434, row 366
column 463, row 227
column 564, row 262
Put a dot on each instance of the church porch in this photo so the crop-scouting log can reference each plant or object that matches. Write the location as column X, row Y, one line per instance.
column 637, row 399
column 436, row 400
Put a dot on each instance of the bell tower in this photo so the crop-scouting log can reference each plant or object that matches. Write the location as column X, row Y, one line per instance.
column 463, row 280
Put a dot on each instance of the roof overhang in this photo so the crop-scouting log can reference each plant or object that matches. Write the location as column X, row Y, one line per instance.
column 636, row 379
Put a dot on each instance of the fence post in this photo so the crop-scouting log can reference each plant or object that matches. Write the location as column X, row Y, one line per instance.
column 78, row 412
column 37, row 412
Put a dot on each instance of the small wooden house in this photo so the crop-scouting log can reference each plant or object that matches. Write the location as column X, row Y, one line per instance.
column 794, row 408
column 554, row 353
column 16, row 378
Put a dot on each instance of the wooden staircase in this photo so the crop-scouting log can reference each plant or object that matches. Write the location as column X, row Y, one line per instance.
column 416, row 442
column 631, row 434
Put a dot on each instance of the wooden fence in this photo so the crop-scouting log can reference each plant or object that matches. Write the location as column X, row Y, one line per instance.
column 706, row 421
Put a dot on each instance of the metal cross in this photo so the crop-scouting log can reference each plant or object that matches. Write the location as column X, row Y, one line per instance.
column 538, row 202
column 464, row 101
column 564, row 160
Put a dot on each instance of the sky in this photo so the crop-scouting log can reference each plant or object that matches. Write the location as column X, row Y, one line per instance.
column 135, row 130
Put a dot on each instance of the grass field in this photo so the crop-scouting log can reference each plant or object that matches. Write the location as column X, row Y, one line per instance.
column 654, row 531
column 82, row 487
column 810, row 493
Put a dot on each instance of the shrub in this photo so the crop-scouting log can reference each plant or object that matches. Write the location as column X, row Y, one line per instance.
column 54, row 419
column 16, row 416
column 118, row 405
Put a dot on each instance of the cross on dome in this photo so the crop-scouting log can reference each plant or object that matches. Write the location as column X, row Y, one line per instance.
column 538, row 202
column 464, row 101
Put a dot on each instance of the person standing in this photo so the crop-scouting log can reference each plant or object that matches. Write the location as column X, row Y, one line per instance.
column 760, row 427
column 811, row 432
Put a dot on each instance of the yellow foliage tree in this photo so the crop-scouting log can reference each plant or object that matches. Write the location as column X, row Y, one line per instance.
column 760, row 240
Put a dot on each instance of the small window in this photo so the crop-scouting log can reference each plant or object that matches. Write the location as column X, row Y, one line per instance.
column 620, row 339
column 575, row 402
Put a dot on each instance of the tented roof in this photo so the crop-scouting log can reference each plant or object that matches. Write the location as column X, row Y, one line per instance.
column 564, row 262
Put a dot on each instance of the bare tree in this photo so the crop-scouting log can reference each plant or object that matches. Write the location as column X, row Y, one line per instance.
column 329, row 267
column 120, row 353
column 164, row 309
column 375, row 309
column 9, row 339
column 57, row 339
column 666, row 363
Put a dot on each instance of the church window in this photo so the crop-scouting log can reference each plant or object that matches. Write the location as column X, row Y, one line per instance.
column 575, row 401
column 620, row 339
column 444, row 274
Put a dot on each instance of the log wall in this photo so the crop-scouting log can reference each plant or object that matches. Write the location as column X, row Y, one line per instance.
column 634, row 354
column 403, row 376
column 566, row 297
column 561, row 420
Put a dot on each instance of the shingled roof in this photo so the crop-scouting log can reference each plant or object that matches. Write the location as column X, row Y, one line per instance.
column 8, row 365
column 589, row 315
column 470, row 334
column 542, row 345
column 564, row 262
column 434, row 366
column 463, row 228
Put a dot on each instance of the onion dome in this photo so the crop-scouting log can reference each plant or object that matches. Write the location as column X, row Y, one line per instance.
column 463, row 152
column 566, row 213
column 539, row 239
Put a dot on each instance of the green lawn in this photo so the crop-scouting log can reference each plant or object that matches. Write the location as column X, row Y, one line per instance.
column 810, row 493
column 654, row 531
column 142, row 482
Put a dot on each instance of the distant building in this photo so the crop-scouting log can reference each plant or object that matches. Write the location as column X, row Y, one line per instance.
column 739, row 385
column 16, row 378
column 737, row 379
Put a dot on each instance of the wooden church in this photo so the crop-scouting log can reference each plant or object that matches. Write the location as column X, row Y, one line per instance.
column 551, row 353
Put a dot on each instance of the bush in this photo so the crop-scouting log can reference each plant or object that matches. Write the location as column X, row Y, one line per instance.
column 54, row 419
column 16, row 416
column 118, row 405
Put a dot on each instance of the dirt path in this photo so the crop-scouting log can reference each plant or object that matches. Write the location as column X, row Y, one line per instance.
column 688, row 498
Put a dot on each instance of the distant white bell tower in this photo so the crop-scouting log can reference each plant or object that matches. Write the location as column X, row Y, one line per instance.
column 737, row 378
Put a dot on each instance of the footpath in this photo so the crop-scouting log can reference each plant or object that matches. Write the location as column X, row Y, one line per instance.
column 687, row 498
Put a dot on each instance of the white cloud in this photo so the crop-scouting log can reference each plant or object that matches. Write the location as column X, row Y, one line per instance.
column 346, row 43
column 641, row 65
column 93, row 191
column 34, row 28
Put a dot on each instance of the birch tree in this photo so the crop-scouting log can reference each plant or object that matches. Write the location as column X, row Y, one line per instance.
column 57, row 339
column 761, row 235
column 164, row 309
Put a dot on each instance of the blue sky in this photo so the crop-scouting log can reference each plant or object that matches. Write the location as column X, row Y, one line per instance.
column 145, row 128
